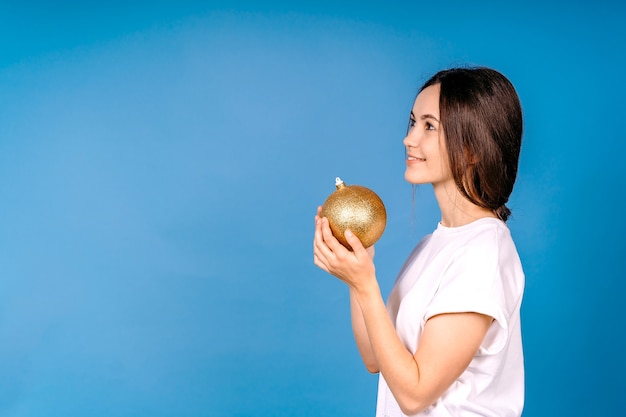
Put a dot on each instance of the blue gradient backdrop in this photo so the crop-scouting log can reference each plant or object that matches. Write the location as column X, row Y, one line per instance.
column 160, row 167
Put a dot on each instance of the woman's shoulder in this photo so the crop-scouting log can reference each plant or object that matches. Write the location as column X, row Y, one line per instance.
column 484, row 240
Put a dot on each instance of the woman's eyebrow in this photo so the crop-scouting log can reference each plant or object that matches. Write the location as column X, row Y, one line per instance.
column 424, row 117
column 428, row 116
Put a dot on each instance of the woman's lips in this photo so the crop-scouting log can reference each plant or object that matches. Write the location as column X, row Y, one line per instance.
column 414, row 159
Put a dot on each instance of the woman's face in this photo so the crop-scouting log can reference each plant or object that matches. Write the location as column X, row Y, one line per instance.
column 426, row 155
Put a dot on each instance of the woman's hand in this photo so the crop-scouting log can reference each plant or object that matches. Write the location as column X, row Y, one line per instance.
column 355, row 268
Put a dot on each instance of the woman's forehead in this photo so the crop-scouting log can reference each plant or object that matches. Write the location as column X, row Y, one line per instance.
column 427, row 101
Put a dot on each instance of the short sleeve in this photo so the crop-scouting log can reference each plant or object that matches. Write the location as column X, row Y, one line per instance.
column 472, row 283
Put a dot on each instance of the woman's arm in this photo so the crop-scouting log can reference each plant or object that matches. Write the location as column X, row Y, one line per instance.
column 358, row 324
column 447, row 345
column 446, row 348
column 360, row 335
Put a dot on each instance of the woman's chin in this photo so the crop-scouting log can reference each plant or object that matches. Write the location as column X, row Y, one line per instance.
column 413, row 179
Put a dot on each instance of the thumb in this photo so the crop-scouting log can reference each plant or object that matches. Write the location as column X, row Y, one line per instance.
column 354, row 242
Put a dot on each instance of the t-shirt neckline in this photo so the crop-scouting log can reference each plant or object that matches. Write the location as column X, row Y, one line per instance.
column 459, row 229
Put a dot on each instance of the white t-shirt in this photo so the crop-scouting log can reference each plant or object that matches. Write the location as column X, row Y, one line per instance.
column 472, row 268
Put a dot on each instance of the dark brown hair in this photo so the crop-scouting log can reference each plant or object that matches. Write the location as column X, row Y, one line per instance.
column 482, row 122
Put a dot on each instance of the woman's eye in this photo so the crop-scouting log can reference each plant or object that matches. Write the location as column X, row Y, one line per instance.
column 429, row 126
column 411, row 123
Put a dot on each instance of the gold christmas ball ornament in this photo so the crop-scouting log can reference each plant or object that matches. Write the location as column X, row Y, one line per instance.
column 356, row 208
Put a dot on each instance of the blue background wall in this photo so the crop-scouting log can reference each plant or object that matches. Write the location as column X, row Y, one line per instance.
column 160, row 167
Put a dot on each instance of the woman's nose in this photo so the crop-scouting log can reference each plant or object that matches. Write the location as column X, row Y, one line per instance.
column 410, row 140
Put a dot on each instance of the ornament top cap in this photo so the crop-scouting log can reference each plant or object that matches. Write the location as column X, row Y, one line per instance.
column 339, row 183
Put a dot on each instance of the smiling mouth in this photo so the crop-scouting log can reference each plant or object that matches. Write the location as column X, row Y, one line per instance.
column 414, row 158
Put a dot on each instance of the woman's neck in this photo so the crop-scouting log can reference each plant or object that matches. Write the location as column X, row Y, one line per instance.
column 456, row 210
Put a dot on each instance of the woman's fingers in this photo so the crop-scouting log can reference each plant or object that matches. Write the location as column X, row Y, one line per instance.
column 327, row 249
column 331, row 255
column 331, row 241
column 356, row 245
column 319, row 213
column 321, row 250
column 319, row 263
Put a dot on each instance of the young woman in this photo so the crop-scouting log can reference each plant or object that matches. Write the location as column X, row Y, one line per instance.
column 448, row 342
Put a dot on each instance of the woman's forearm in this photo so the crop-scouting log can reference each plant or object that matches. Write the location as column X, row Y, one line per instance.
column 360, row 335
column 392, row 358
column 375, row 335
